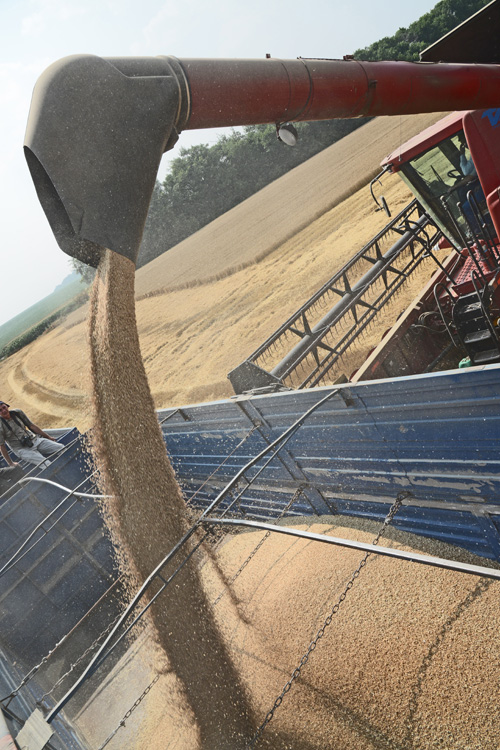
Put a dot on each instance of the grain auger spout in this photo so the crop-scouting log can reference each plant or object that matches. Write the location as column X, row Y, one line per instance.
column 98, row 126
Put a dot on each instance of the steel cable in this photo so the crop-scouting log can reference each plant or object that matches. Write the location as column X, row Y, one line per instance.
column 71, row 493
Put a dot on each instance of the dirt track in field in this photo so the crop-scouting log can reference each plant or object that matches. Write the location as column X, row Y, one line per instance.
column 245, row 274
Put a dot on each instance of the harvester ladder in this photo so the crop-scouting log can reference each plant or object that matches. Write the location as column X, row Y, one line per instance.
column 474, row 304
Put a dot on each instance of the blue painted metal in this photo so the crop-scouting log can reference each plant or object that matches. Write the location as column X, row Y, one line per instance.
column 56, row 571
column 437, row 435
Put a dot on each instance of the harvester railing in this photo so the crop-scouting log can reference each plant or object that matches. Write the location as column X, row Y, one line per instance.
column 303, row 351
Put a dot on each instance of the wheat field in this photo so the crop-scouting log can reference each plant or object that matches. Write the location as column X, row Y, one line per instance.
column 205, row 305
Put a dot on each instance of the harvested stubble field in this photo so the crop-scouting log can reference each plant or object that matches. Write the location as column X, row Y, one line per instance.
column 410, row 662
column 209, row 302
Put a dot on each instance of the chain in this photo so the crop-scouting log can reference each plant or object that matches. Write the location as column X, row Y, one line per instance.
column 31, row 673
column 252, row 554
column 82, row 656
column 46, row 658
column 321, row 632
column 189, row 500
column 130, row 712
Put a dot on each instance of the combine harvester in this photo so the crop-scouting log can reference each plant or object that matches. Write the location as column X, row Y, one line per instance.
column 461, row 301
column 418, row 422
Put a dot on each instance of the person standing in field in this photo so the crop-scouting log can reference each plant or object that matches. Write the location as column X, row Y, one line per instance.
column 28, row 441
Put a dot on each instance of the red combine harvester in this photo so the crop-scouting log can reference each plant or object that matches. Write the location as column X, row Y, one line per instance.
column 452, row 170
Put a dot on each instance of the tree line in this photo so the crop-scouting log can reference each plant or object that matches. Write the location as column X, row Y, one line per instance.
column 206, row 181
column 407, row 44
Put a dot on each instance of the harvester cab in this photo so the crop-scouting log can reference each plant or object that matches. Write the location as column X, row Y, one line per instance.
column 452, row 170
column 441, row 172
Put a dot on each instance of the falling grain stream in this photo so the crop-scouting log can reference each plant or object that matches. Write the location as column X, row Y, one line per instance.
column 146, row 517
column 410, row 663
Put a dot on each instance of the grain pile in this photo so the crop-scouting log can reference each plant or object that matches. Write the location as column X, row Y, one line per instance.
column 410, row 662
column 146, row 517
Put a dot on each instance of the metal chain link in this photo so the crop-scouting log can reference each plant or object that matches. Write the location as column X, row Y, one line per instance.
column 29, row 676
column 252, row 554
column 321, row 632
column 129, row 712
column 31, row 673
column 242, row 441
column 82, row 656
column 45, row 659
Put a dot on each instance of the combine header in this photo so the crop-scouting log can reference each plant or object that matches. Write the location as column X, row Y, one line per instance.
column 362, row 288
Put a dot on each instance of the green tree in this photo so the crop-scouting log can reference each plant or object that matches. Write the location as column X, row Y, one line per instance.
column 86, row 272
column 204, row 182
column 406, row 44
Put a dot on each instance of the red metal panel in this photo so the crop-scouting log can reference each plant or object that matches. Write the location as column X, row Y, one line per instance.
column 426, row 139
column 482, row 130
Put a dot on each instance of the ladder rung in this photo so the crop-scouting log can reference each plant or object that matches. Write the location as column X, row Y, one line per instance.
column 476, row 336
column 473, row 307
column 485, row 357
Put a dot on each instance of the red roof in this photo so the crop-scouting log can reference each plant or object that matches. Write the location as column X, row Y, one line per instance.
column 424, row 140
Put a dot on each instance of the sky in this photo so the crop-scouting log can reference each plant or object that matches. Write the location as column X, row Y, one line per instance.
column 35, row 33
